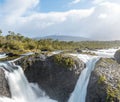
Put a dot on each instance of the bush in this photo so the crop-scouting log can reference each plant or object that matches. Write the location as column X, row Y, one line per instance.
column 113, row 94
column 63, row 60
column 102, row 79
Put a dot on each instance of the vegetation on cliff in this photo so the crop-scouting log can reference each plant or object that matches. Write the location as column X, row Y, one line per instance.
column 65, row 61
column 105, row 81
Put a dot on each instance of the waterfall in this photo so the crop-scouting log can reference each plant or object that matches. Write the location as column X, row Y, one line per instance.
column 21, row 90
column 79, row 93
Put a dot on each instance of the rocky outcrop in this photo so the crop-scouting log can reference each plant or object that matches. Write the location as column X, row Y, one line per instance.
column 11, row 54
column 117, row 56
column 104, row 84
column 57, row 80
column 4, row 88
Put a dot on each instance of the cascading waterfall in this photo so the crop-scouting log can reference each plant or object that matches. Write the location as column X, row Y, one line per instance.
column 79, row 93
column 21, row 90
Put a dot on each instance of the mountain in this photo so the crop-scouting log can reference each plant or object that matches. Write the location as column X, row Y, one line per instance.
column 64, row 38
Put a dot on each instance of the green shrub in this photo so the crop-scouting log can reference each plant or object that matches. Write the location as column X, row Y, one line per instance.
column 63, row 60
column 112, row 94
column 102, row 79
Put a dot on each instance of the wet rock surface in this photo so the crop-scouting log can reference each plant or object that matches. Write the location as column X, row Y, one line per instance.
column 117, row 56
column 4, row 88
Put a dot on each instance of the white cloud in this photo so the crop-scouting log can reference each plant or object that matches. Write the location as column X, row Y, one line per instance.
column 18, row 7
column 103, row 16
column 99, row 22
column 75, row 1
column 97, row 1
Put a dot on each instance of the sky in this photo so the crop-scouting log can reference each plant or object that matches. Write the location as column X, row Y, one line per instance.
column 94, row 19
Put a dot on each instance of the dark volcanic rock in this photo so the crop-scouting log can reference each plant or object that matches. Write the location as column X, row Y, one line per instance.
column 11, row 54
column 117, row 56
column 4, row 88
column 78, row 50
column 55, row 79
column 104, row 84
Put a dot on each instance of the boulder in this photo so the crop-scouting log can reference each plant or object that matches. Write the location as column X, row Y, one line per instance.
column 78, row 50
column 11, row 54
column 104, row 83
column 117, row 56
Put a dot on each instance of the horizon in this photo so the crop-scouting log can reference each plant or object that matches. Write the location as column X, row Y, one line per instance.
column 94, row 19
column 87, row 39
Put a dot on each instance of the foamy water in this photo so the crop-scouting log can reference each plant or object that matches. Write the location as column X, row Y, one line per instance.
column 79, row 93
column 3, row 56
column 21, row 90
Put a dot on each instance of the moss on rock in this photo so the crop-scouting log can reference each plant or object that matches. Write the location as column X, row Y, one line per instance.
column 104, row 84
column 66, row 61
column 113, row 93
column 101, row 79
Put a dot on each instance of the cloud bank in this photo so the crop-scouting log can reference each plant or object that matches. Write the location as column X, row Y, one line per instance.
column 99, row 22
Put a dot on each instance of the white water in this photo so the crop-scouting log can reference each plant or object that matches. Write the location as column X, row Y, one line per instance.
column 26, row 54
column 21, row 90
column 79, row 93
column 3, row 56
column 103, row 52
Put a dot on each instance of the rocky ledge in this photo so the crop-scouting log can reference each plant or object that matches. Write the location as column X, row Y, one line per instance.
column 56, row 75
column 104, row 84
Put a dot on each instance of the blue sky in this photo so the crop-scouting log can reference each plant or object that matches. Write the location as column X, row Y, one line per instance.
column 53, row 5
column 1, row 1
column 95, row 19
column 62, row 5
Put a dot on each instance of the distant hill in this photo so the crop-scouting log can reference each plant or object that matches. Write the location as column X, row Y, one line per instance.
column 64, row 38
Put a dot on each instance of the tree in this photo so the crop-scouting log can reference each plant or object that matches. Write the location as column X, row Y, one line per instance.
column 0, row 32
